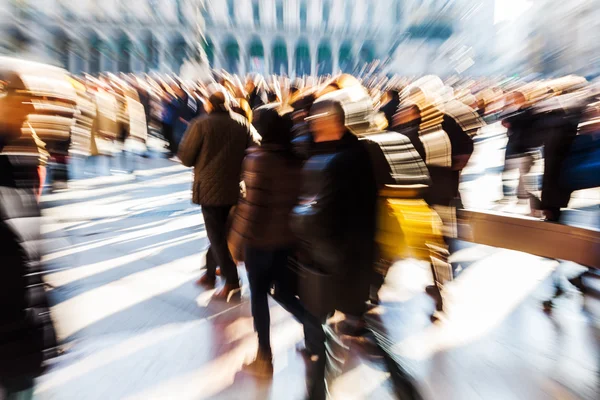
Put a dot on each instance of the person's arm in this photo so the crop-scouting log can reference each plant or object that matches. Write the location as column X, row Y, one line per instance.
column 190, row 146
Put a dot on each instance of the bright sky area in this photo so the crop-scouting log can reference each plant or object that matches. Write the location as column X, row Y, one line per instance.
column 508, row 10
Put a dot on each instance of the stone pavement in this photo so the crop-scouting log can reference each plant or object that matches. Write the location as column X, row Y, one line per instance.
column 123, row 252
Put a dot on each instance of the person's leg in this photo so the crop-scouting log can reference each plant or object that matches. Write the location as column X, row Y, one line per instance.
column 258, row 264
column 285, row 293
column 216, row 227
column 317, row 388
column 223, row 255
column 21, row 391
column 211, row 222
column 526, row 162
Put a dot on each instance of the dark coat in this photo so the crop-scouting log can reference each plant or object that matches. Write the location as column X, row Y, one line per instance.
column 336, row 219
column 27, row 336
column 272, row 180
column 521, row 137
column 556, row 129
column 215, row 145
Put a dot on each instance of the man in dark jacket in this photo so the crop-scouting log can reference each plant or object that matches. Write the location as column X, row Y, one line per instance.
column 335, row 222
column 215, row 146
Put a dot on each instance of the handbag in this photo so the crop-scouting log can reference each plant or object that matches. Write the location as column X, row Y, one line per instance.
column 315, row 288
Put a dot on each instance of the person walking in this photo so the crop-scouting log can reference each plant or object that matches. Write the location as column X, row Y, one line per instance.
column 261, row 226
column 335, row 222
column 27, row 335
column 215, row 145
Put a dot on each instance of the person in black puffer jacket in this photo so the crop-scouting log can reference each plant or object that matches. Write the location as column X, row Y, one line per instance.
column 261, row 226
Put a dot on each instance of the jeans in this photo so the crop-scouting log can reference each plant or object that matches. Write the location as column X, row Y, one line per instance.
column 266, row 269
column 216, row 222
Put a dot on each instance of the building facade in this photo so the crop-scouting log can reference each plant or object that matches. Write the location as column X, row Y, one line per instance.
column 297, row 37
column 92, row 36
column 301, row 37
column 292, row 37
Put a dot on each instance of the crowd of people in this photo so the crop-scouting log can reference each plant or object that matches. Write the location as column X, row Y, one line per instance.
column 329, row 166
column 317, row 184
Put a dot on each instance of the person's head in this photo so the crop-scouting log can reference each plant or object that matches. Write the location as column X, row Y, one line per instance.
column 250, row 85
column 218, row 100
column 327, row 121
column 15, row 106
column 273, row 97
column 515, row 99
column 272, row 127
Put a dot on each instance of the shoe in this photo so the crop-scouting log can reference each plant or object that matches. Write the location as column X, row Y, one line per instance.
column 355, row 328
column 261, row 367
column 227, row 291
column 433, row 292
column 306, row 354
column 207, row 281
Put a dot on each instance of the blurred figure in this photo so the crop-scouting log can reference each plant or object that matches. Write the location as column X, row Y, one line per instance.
column 254, row 95
column 27, row 337
column 442, row 135
column 215, row 146
column 186, row 110
column 261, row 229
column 518, row 119
column 302, row 138
column 390, row 104
column 170, row 112
column 556, row 123
column 335, row 222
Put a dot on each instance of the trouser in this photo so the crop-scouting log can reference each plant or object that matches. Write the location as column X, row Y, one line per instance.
column 211, row 261
column 267, row 269
column 21, row 391
column 169, row 135
column 523, row 163
column 261, row 266
column 215, row 220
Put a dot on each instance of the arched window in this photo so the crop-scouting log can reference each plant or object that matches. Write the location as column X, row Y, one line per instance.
column 279, row 13
column 398, row 10
column 256, row 12
column 302, row 59
column 346, row 58
column 231, row 10
column 95, row 55
column 179, row 53
column 370, row 12
column 366, row 53
column 303, row 14
column 124, row 49
column 256, row 56
column 326, row 12
column 232, row 56
column 349, row 11
column 209, row 50
column 324, row 62
column 180, row 13
column 280, row 61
